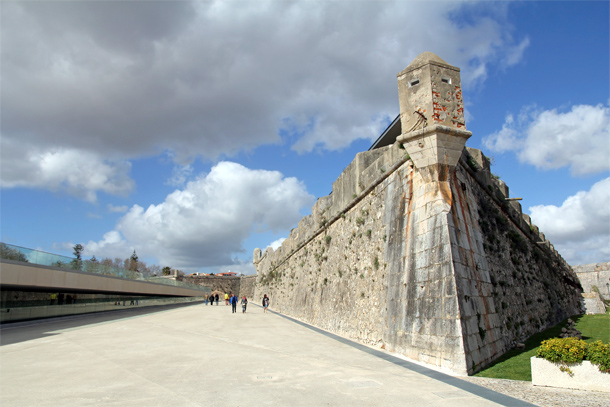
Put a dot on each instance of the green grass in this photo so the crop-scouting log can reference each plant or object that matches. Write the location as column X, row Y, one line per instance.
column 515, row 365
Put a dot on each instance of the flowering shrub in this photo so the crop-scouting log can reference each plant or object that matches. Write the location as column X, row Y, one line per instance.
column 598, row 353
column 567, row 350
column 572, row 350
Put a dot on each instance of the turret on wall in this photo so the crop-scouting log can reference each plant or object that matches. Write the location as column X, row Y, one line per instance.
column 432, row 113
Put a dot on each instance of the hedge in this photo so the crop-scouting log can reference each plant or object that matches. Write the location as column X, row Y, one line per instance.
column 574, row 350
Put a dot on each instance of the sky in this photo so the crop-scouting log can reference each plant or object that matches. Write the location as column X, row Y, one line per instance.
column 195, row 132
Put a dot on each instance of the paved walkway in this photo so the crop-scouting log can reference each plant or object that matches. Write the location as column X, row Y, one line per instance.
column 205, row 356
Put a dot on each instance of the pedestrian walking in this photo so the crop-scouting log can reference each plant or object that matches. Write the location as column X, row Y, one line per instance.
column 265, row 303
column 206, row 300
column 216, row 298
column 233, row 304
column 227, row 299
column 244, row 304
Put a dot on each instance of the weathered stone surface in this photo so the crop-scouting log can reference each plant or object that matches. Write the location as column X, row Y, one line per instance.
column 425, row 260
column 595, row 278
column 594, row 303
column 224, row 284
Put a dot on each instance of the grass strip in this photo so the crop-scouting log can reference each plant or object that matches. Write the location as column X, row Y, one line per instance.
column 515, row 364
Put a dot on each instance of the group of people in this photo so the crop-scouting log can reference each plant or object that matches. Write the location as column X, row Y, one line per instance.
column 211, row 299
column 233, row 300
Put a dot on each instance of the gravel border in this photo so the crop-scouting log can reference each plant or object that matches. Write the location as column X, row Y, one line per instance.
column 543, row 396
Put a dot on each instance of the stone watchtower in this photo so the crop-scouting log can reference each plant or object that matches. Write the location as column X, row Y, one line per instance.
column 432, row 114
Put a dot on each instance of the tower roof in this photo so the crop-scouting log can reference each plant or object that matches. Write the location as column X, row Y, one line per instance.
column 427, row 58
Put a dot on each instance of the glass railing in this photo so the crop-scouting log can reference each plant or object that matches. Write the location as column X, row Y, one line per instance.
column 17, row 253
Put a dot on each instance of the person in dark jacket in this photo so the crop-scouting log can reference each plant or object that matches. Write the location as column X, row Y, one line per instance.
column 234, row 303
column 265, row 302
column 216, row 298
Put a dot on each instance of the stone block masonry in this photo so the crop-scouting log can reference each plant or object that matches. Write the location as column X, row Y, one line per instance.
column 423, row 257
column 595, row 278
column 241, row 286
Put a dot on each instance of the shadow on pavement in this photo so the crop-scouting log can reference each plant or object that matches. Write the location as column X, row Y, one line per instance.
column 15, row 332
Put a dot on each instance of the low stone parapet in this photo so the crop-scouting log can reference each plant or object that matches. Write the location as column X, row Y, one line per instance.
column 582, row 376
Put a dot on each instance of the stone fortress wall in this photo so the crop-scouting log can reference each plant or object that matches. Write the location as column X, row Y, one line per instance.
column 418, row 251
column 241, row 286
column 595, row 280
column 594, row 276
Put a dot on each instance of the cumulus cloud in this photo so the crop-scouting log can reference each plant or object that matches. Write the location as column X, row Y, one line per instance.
column 580, row 227
column 206, row 223
column 111, row 245
column 276, row 243
column 80, row 173
column 551, row 139
column 207, row 79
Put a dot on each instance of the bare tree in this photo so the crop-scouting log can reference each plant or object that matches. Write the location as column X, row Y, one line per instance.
column 154, row 270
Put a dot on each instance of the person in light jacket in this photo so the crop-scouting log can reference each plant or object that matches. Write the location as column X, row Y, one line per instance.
column 244, row 304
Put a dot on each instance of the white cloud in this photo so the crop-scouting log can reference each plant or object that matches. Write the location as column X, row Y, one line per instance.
column 579, row 138
column 515, row 54
column 133, row 79
column 276, row 243
column 206, row 223
column 112, row 245
column 119, row 209
column 79, row 173
column 180, row 174
column 580, row 227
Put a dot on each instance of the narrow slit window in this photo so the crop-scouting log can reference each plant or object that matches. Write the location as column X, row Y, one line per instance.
column 446, row 80
column 413, row 82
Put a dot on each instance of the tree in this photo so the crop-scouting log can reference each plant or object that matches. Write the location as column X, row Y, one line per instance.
column 11, row 254
column 92, row 265
column 133, row 262
column 78, row 261
column 118, row 263
column 78, row 251
column 154, row 270
column 167, row 271
column 106, row 265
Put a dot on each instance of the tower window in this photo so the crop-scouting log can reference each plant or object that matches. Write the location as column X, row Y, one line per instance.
column 414, row 82
column 446, row 80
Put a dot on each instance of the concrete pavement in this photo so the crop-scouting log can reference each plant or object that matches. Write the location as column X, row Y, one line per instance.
column 199, row 355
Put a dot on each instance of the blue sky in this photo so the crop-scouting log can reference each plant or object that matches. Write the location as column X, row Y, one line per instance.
column 196, row 132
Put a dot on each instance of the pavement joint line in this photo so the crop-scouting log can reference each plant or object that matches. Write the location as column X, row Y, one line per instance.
column 472, row 388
